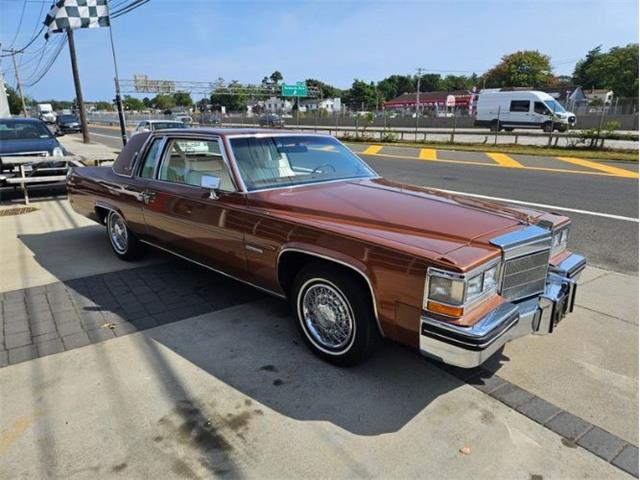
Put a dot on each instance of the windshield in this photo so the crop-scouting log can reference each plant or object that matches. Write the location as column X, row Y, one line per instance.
column 554, row 106
column 67, row 118
column 164, row 125
column 12, row 130
column 281, row 161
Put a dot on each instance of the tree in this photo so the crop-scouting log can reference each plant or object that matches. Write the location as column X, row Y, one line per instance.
column 276, row 77
column 457, row 82
column 580, row 75
column 429, row 82
column 328, row 91
column 362, row 95
column 526, row 68
column 229, row 98
column 163, row 101
column 104, row 106
column 147, row 102
column 132, row 103
column 15, row 104
column 183, row 99
column 617, row 69
column 395, row 85
column 203, row 105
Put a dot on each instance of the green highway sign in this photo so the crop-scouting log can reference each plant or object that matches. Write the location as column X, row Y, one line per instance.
column 297, row 90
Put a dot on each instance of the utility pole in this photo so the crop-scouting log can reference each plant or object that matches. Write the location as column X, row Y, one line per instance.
column 418, row 102
column 76, row 81
column 15, row 68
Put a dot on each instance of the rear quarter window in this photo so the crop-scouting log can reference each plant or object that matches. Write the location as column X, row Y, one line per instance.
column 123, row 164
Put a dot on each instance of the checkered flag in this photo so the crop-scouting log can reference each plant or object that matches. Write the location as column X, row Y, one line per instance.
column 72, row 14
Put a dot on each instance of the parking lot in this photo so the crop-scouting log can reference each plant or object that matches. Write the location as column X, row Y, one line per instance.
column 162, row 368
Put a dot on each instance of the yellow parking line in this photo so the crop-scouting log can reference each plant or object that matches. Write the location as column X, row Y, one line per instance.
column 618, row 172
column 428, row 154
column 504, row 160
column 484, row 164
column 372, row 150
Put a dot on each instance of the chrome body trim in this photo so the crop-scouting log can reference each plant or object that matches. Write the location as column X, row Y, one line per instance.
column 523, row 242
column 34, row 153
column 469, row 347
column 299, row 250
column 252, row 248
column 266, row 290
column 571, row 266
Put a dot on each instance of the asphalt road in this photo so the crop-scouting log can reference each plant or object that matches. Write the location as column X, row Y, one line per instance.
column 608, row 243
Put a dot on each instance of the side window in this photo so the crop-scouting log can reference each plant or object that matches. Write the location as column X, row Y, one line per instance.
column 519, row 106
column 540, row 108
column 151, row 159
column 187, row 161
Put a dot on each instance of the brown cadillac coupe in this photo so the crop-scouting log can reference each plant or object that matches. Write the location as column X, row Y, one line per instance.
column 359, row 257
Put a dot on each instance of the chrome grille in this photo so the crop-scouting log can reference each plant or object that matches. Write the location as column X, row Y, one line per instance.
column 525, row 276
column 526, row 255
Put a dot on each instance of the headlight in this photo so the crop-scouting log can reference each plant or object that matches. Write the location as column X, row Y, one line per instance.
column 448, row 293
column 560, row 239
column 446, row 290
column 57, row 152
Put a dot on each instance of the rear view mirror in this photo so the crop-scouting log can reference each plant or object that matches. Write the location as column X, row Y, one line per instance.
column 211, row 183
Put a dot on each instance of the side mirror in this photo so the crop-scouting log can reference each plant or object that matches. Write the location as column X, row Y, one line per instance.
column 211, row 183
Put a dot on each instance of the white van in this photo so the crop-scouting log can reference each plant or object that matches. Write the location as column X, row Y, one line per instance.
column 521, row 109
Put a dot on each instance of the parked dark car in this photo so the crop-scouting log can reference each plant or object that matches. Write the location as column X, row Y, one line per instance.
column 30, row 137
column 271, row 120
column 68, row 124
column 358, row 256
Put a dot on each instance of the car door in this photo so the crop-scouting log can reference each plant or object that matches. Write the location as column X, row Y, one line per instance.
column 519, row 113
column 541, row 113
column 186, row 218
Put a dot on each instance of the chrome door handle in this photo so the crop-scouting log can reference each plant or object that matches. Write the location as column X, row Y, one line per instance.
column 147, row 196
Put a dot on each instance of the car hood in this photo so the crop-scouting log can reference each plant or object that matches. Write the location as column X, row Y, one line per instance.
column 418, row 220
column 20, row 146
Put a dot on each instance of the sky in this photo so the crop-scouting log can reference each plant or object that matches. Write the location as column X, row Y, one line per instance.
column 334, row 41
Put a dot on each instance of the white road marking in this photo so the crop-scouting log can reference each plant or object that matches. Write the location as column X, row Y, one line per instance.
column 103, row 135
column 545, row 206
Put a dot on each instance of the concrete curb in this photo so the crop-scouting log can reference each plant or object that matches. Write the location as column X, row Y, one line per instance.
column 574, row 430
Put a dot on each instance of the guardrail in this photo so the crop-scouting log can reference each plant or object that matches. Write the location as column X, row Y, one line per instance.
column 453, row 135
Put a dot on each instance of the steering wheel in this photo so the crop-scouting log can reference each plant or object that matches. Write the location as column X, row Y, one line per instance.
column 319, row 168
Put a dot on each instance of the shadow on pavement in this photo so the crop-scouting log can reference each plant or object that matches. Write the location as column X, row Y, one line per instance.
column 249, row 341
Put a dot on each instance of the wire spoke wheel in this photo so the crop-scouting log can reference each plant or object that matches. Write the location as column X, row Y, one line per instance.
column 118, row 233
column 327, row 316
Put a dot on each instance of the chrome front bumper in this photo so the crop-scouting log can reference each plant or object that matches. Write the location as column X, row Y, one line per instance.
column 468, row 347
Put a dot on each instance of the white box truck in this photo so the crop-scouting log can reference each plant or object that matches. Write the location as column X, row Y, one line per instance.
column 506, row 110
column 46, row 113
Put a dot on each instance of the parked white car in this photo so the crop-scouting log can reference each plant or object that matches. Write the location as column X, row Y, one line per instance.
column 153, row 125
column 506, row 110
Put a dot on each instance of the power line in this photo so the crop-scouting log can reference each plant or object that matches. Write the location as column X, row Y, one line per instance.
column 128, row 8
column 31, row 81
column 43, row 51
column 27, row 45
column 24, row 6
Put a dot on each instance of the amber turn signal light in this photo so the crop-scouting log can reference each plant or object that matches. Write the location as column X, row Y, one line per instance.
column 445, row 309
